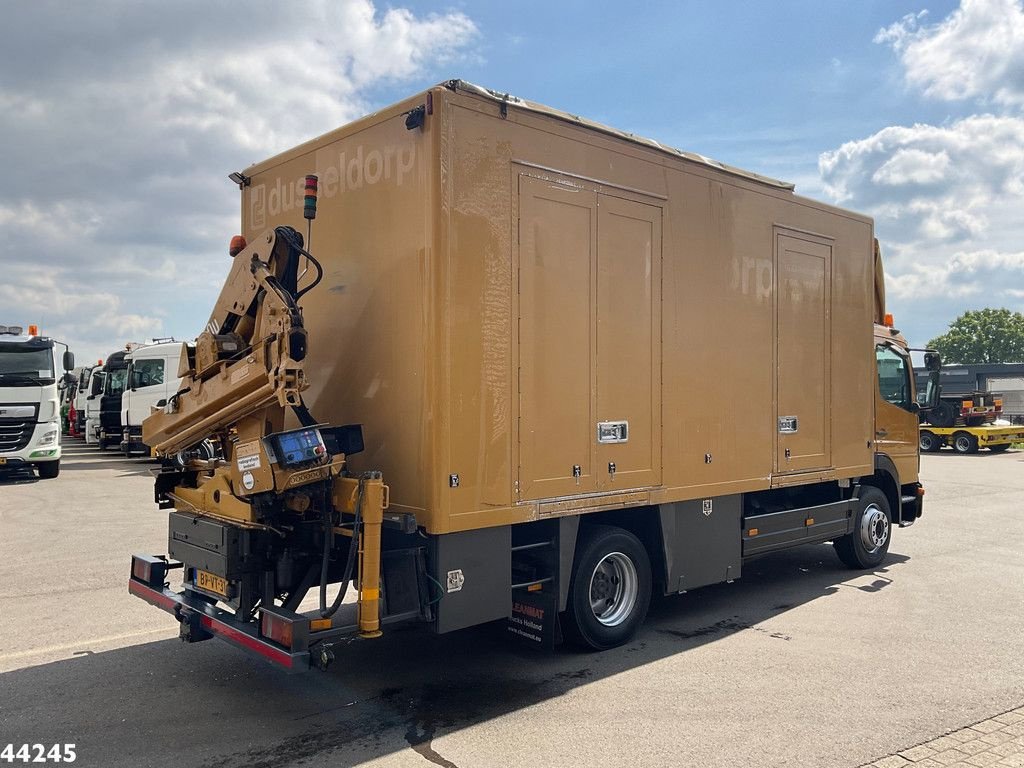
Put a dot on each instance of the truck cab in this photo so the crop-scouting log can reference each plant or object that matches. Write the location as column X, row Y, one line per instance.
column 29, row 401
column 897, row 412
column 110, row 400
column 81, row 393
column 152, row 378
column 92, row 404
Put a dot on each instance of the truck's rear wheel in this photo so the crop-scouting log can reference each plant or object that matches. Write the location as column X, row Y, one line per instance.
column 964, row 442
column 610, row 589
column 999, row 448
column 929, row 441
column 974, row 421
column 48, row 469
column 868, row 544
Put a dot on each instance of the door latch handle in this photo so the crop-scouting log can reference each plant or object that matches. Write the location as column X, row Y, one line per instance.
column 881, row 433
column 611, row 469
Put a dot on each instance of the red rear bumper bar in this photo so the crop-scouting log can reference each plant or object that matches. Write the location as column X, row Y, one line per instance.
column 219, row 623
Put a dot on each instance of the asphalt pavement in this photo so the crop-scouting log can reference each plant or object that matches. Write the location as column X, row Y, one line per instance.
column 801, row 662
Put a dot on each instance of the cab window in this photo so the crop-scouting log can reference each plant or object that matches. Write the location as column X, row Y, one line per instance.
column 147, row 373
column 893, row 377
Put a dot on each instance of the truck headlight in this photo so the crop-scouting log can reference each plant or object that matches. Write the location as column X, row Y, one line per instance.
column 49, row 437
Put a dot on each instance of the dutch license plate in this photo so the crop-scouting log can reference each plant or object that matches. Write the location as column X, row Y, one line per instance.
column 210, row 582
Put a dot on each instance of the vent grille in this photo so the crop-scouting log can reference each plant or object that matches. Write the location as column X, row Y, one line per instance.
column 15, row 435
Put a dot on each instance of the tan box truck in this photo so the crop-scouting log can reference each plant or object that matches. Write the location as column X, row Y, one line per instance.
column 522, row 366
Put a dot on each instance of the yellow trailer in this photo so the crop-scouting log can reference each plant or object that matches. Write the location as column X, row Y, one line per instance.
column 521, row 310
column 970, row 439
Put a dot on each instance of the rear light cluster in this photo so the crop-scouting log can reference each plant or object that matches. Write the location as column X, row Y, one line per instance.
column 152, row 570
column 277, row 628
column 290, row 629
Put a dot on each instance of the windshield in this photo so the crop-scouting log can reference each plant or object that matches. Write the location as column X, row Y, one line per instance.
column 115, row 381
column 23, row 365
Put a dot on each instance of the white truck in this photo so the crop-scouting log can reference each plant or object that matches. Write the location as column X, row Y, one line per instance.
column 152, row 378
column 29, row 401
column 92, row 405
column 82, row 392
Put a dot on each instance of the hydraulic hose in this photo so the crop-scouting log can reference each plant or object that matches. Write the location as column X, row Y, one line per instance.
column 353, row 550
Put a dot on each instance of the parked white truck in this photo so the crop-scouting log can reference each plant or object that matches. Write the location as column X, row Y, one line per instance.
column 81, row 393
column 152, row 379
column 29, row 401
column 92, row 405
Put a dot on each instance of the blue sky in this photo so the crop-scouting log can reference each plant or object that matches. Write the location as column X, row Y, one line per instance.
column 115, row 209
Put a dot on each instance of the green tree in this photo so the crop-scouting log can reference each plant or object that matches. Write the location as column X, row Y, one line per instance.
column 983, row 336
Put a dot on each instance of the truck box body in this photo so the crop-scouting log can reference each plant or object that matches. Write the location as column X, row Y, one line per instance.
column 532, row 315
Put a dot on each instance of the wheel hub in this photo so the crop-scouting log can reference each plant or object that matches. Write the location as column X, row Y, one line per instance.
column 614, row 586
column 874, row 529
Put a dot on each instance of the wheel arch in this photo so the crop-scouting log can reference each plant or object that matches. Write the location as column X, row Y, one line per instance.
column 642, row 522
column 887, row 479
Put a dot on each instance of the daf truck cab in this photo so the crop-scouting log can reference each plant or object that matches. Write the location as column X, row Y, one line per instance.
column 92, row 404
column 110, row 400
column 151, row 380
column 29, row 401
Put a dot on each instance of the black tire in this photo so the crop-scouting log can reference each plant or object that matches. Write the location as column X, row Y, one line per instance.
column 868, row 544
column 974, row 421
column 929, row 441
column 999, row 448
column 48, row 469
column 942, row 415
column 607, row 560
column 965, row 442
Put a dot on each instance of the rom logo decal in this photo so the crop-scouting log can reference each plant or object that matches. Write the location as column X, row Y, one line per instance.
column 706, row 507
column 455, row 580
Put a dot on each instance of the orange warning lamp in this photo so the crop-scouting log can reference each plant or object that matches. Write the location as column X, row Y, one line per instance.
column 33, row 330
column 237, row 245
column 888, row 322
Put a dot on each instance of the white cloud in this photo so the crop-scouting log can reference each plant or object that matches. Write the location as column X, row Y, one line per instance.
column 912, row 166
column 119, row 136
column 934, row 183
column 975, row 53
column 987, row 274
column 947, row 199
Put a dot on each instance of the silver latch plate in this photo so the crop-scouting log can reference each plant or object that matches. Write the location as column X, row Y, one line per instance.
column 612, row 431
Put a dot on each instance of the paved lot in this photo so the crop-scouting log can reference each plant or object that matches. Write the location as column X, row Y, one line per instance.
column 798, row 663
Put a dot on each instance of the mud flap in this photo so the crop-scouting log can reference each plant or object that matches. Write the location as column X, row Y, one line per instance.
column 534, row 619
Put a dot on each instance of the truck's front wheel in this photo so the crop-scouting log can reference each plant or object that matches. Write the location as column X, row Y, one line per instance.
column 48, row 469
column 610, row 589
column 868, row 544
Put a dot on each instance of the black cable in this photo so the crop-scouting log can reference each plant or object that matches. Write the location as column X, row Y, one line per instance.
column 325, row 611
column 289, row 237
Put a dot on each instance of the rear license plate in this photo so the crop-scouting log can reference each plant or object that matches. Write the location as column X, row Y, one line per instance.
column 209, row 582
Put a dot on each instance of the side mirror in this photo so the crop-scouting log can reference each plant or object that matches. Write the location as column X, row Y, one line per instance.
column 932, row 361
column 69, row 360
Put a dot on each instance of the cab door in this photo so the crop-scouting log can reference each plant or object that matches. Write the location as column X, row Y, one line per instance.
column 896, row 421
